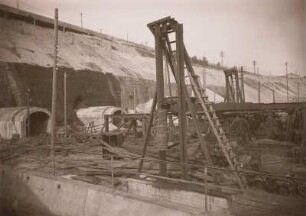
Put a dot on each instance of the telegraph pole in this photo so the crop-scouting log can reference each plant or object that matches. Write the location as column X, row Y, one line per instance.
column 298, row 89
column 222, row 57
column 286, row 65
column 204, row 82
column 54, row 90
column 258, row 85
column 254, row 64
column 65, row 100
column 81, row 19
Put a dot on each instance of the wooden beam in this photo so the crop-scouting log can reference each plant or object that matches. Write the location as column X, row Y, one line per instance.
column 181, row 97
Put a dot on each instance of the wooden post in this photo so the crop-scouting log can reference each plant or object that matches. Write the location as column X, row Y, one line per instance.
column 28, row 113
column 258, row 91
column 227, row 97
column 144, row 122
column 181, row 97
column 242, row 85
column 112, row 170
column 304, row 129
column 135, row 128
column 298, row 92
column 237, row 87
column 159, row 68
column 106, row 123
column 81, row 20
column 287, row 86
column 170, row 134
column 134, row 97
column 65, row 100
column 102, row 147
column 273, row 94
column 204, row 82
column 168, row 79
column 145, row 145
column 205, row 182
column 160, row 87
column 54, row 90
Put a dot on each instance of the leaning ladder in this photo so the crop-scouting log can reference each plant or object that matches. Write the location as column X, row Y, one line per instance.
column 207, row 108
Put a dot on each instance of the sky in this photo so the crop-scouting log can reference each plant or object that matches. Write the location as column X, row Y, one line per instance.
column 270, row 32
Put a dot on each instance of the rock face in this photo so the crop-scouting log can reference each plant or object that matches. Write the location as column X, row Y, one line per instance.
column 101, row 70
column 84, row 88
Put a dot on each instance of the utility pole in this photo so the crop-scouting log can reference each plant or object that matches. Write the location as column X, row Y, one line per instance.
column 242, row 84
column 298, row 89
column 222, row 56
column 286, row 65
column 134, row 97
column 17, row 4
column 254, row 64
column 204, row 82
column 54, row 90
column 65, row 100
column 258, row 85
column 81, row 19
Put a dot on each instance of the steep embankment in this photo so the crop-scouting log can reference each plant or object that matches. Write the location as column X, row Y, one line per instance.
column 104, row 70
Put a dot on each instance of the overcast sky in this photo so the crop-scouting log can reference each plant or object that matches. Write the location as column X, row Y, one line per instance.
column 268, row 31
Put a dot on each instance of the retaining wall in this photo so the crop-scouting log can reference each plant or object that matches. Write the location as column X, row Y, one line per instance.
column 32, row 194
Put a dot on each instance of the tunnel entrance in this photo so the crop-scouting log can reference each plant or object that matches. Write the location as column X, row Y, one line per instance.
column 117, row 121
column 38, row 124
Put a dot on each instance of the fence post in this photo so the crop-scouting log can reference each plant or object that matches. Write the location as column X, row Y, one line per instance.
column 205, row 182
column 112, row 170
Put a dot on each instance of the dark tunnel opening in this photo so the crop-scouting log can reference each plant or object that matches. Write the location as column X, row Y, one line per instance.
column 38, row 124
column 117, row 122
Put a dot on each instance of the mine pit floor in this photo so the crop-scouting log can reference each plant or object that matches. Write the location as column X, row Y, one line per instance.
column 83, row 161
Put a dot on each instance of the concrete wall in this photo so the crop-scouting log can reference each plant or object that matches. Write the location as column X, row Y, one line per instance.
column 181, row 197
column 32, row 194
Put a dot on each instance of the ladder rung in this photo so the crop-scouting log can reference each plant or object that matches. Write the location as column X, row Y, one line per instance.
column 170, row 31
column 172, row 42
column 173, row 51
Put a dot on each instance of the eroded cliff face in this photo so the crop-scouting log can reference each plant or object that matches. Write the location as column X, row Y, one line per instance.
column 102, row 70
column 84, row 88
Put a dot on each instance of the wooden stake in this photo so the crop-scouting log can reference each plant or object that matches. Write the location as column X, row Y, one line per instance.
column 205, row 182
column 65, row 100
column 112, row 169
column 54, row 90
